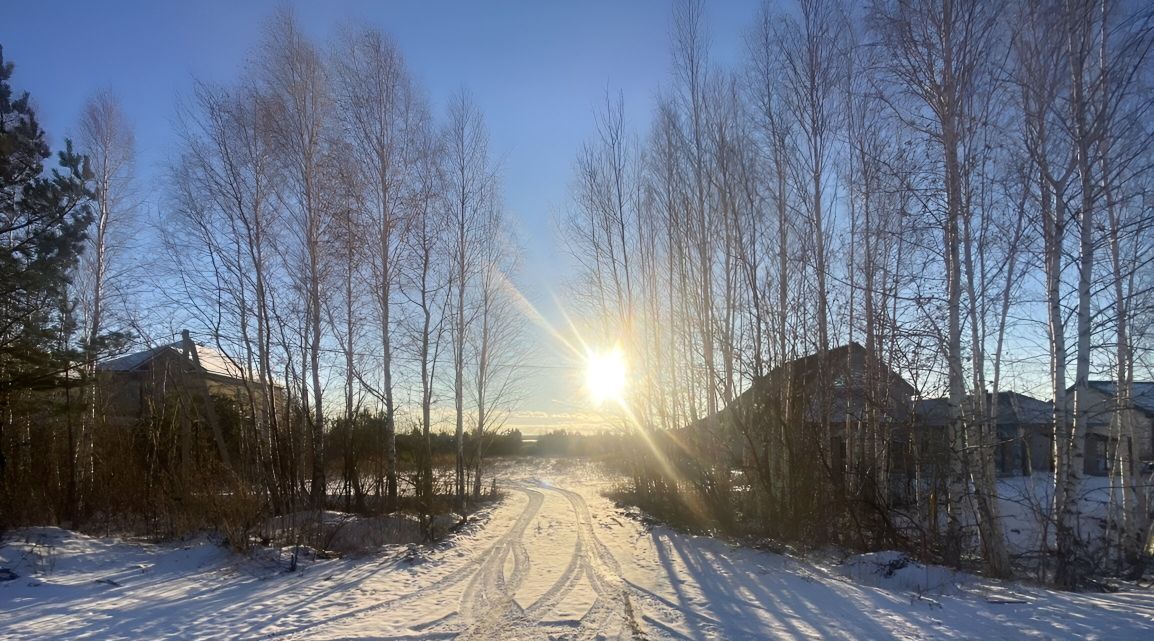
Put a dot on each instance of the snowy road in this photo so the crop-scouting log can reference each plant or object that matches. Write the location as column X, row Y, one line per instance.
column 554, row 560
column 537, row 571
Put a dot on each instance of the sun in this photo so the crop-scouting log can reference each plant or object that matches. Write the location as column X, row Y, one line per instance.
column 605, row 374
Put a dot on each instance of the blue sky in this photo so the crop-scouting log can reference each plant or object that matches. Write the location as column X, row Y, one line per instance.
column 539, row 70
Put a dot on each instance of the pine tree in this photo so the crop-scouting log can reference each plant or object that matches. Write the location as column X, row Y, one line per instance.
column 43, row 221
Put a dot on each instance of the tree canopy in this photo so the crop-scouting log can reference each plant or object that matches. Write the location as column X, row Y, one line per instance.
column 43, row 221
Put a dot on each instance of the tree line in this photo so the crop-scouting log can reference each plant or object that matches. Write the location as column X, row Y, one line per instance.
column 342, row 245
column 960, row 186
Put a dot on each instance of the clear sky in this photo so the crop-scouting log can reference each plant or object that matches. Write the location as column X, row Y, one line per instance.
column 538, row 69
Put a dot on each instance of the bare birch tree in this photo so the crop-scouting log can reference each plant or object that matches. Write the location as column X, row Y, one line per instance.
column 382, row 114
column 469, row 193
column 107, row 139
column 939, row 56
column 300, row 112
column 813, row 60
column 496, row 337
column 425, row 283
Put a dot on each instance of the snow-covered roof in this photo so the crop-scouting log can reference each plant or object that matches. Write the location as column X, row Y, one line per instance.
column 213, row 361
column 130, row 362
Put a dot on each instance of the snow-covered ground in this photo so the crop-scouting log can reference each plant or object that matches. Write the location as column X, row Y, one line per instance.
column 555, row 560
column 1025, row 507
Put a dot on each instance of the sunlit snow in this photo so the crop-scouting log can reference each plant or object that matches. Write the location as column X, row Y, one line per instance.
column 554, row 560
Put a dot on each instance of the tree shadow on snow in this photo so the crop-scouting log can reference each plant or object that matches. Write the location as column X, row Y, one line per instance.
column 751, row 594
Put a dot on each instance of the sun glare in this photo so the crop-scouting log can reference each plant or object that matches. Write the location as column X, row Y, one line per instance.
column 605, row 376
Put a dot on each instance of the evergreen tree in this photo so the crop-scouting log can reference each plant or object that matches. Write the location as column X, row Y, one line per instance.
column 43, row 221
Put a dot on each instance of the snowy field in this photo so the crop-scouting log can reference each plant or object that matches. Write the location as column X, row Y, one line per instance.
column 554, row 560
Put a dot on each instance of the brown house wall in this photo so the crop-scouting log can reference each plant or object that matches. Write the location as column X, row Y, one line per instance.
column 133, row 396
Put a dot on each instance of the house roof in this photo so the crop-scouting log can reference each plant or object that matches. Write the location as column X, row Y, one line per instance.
column 837, row 360
column 1142, row 392
column 211, row 360
column 130, row 362
column 848, row 396
column 1026, row 409
column 1013, row 409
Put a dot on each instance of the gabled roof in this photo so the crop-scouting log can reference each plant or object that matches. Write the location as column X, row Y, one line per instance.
column 848, row 396
column 838, row 360
column 1026, row 409
column 834, row 358
column 211, row 360
column 1143, row 393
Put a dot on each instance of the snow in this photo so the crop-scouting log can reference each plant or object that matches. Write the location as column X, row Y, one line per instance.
column 1025, row 503
column 554, row 560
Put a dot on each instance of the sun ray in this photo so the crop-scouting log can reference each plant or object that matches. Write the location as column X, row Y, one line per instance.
column 578, row 348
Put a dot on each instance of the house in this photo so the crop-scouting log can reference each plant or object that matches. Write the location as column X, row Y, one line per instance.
column 1024, row 430
column 185, row 384
column 1102, row 433
column 862, row 392
column 136, row 384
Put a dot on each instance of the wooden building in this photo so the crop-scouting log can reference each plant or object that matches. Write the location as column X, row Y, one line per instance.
column 197, row 389
column 866, row 405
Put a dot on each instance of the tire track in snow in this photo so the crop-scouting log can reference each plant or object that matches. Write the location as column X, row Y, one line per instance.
column 590, row 560
column 488, row 609
column 468, row 571
column 489, row 590
column 604, row 574
column 563, row 586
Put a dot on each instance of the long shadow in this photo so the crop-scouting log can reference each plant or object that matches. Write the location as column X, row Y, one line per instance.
column 751, row 594
column 683, row 604
column 749, row 605
column 754, row 599
column 170, row 601
column 736, row 600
